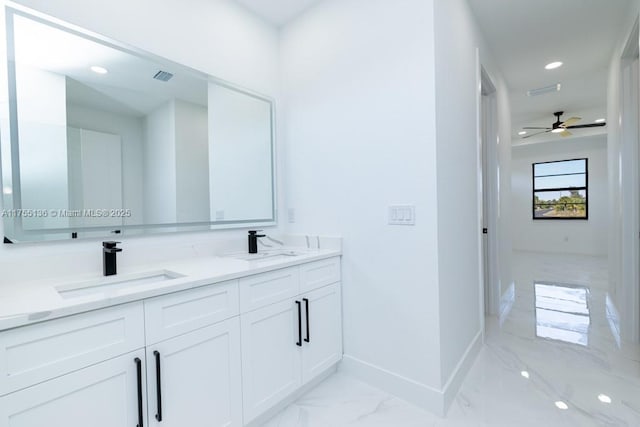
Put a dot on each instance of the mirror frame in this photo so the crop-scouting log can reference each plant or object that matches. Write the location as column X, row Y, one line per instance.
column 12, row 9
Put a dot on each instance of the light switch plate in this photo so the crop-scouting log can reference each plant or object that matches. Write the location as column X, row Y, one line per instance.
column 402, row 215
column 291, row 213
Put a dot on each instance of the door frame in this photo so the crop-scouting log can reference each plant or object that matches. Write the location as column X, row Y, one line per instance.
column 487, row 164
column 628, row 292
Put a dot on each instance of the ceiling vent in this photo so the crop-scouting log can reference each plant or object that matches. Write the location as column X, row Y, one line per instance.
column 547, row 89
column 163, row 76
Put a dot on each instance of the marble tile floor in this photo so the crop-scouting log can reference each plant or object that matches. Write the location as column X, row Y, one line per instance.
column 525, row 375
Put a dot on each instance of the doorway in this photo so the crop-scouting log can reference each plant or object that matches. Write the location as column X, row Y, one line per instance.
column 628, row 286
column 488, row 134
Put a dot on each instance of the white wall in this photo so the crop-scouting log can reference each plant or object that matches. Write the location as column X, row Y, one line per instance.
column 457, row 166
column 362, row 105
column 223, row 40
column 561, row 236
column 457, row 64
column 218, row 37
column 360, row 136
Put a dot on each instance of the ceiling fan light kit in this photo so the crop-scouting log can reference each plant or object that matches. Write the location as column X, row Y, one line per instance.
column 561, row 127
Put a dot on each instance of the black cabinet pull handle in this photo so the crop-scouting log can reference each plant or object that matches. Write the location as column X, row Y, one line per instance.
column 139, row 373
column 158, row 386
column 306, row 307
column 299, row 343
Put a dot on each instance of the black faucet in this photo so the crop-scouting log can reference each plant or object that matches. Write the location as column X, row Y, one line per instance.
column 253, row 241
column 109, row 251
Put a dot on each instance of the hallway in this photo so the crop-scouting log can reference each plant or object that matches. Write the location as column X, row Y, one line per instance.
column 519, row 378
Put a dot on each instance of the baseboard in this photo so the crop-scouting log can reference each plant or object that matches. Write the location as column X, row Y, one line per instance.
column 451, row 387
column 412, row 391
column 424, row 396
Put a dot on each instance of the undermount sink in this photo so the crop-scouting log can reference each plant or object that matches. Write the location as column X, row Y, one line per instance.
column 270, row 255
column 115, row 283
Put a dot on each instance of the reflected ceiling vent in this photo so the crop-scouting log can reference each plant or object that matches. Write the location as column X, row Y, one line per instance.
column 163, row 76
column 547, row 89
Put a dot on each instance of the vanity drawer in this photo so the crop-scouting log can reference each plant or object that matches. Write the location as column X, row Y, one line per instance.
column 266, row 288
column 36, row 353
column 316, row 274
column 171, row 315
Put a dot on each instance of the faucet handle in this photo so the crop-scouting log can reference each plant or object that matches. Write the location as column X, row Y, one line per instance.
column 109, row 244
column 255, row 233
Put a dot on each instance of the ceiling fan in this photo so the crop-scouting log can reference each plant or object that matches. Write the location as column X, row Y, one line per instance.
column 561, row 127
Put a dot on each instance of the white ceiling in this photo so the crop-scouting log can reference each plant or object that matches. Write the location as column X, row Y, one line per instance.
column 278, row 12
column 525, row 35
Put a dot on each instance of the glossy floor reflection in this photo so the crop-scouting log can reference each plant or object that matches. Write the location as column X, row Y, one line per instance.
column 555, row 359
column 562, row 312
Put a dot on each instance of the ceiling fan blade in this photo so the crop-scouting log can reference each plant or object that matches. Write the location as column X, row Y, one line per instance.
column 565, row 133
column 537, row 133
column 590, row 125
column 531, row 127
column 570, row 121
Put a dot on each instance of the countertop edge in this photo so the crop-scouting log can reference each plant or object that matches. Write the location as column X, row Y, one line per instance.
column 192, row 282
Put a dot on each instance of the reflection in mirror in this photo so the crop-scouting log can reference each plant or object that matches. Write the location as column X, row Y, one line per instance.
column 103, row 138
column 240, row 140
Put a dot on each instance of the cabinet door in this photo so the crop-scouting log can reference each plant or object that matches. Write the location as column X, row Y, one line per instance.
column 270, row 356
column 323, row 332
column 102, row 395
column 199, row 378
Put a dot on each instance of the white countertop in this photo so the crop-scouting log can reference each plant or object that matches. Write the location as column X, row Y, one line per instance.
column 31, row 302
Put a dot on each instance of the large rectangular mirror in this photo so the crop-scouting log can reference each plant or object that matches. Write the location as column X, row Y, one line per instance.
column 100, row 138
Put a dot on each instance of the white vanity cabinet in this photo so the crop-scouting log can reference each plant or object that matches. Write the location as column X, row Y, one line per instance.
column 107, row 394
column 75, row 371
column 195, row 380
column 193, row 357
column 271, row 361
column 288, row 343
column 218, row 355
column 322, row 342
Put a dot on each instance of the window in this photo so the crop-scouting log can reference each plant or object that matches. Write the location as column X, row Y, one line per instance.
column 560, row 190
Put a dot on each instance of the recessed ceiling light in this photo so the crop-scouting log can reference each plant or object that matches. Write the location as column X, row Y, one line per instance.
column 553, row 65
column 525, row 374
column 600, row 120
column 561, row 405
column 604, row 398
column 558, row 130
column 98, row 69
column 524, row 132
